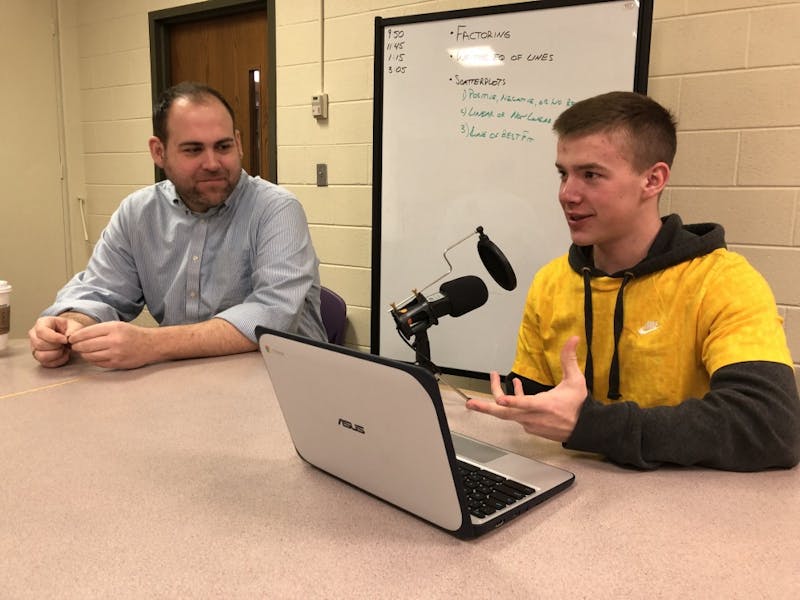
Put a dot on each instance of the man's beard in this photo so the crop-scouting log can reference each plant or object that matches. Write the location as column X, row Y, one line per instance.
column 200, row 201
column 194, row 198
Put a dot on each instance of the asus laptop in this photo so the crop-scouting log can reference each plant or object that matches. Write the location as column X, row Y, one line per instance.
column 380, row 425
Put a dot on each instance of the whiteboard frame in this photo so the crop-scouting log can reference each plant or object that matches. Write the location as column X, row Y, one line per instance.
column 379, row 313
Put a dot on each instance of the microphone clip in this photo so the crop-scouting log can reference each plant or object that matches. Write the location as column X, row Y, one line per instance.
column 413, row 316
column 408, row 328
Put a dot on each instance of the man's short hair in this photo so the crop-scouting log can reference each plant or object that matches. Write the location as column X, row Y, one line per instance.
column 197, row 93
column 648, row 129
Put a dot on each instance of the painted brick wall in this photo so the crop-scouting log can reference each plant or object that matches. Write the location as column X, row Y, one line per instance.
column 730, row 70
column 113, row 101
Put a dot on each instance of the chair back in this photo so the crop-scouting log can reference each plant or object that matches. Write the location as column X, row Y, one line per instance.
column 334, row 314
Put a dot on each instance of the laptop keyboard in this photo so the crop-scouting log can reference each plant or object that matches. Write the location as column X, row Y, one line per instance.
column 489, row 492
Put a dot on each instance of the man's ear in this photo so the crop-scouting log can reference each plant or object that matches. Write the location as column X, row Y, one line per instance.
column 655, row 179
column 238, row 137
column 156, row 151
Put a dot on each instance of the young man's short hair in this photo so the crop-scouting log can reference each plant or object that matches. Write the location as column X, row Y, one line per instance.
column 648, row 129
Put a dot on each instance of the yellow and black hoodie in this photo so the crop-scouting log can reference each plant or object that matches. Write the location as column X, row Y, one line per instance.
column 684, row 354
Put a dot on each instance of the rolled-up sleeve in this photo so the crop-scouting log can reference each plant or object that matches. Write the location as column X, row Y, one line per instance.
column 109, row 288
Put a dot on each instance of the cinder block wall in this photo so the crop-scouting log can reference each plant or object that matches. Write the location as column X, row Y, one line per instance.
column 729, row 69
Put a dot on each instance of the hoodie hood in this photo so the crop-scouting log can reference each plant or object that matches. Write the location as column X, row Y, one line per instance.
column 675, row 243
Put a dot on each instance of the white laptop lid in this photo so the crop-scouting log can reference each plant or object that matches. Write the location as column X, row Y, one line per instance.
column 370, row 424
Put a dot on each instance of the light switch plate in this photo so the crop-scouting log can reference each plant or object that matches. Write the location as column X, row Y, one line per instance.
column 322, row 174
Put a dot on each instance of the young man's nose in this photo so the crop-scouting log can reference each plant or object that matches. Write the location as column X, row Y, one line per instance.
column 568, row 192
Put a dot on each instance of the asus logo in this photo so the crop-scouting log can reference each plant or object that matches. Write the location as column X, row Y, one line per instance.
column 349, row 425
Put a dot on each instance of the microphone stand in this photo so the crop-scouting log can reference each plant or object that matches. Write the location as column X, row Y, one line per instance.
column 500, row 270
column 422, row 352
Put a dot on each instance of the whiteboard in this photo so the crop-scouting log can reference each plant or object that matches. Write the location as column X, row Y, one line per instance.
column 463, row 112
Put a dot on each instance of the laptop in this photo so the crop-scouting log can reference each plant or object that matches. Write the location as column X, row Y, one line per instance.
column 380, row 425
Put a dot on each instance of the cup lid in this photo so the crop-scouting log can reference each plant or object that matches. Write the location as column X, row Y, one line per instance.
column 4, row 286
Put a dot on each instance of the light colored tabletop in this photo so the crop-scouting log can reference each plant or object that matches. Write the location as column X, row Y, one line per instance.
column 180, row 480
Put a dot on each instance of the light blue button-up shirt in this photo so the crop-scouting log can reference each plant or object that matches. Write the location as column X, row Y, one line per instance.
column 249, row 261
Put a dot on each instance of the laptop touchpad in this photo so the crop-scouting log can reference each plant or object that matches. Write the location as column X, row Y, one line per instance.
column 474, row 450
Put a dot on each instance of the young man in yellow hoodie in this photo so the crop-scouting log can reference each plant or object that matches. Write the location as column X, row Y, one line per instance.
column 648, row 342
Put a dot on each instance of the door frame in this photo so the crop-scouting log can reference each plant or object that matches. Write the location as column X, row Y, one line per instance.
column 159, row 24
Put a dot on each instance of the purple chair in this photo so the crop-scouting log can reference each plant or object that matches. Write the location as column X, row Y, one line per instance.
column 334, row 314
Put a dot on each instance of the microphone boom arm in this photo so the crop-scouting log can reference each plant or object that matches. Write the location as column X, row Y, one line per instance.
column 478, row 231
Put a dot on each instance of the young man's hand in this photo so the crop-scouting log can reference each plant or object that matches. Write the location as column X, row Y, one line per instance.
column 551, row 414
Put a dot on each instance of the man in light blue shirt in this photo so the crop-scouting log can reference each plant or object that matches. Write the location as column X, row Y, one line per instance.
column 212, row 252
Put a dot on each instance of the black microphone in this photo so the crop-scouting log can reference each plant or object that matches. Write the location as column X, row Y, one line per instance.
column 455, row 298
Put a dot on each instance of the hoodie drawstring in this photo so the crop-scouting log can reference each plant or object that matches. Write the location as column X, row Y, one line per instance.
column 613, row 373
column 587, row 323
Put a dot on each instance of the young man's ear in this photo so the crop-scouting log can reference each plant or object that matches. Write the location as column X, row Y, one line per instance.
column 656, row 178
column 156, row 151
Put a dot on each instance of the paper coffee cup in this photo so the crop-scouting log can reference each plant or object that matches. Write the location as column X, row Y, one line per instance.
column 5, row 313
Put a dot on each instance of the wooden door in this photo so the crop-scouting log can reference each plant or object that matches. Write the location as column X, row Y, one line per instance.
column 229, row 53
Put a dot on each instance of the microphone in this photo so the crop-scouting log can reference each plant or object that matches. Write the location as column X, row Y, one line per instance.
column 414, row 315
column 455, row 298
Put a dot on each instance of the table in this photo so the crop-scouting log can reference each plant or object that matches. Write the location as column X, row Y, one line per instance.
column 179, row 480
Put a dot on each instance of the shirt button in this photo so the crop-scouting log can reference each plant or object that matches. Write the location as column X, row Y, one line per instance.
column 192, row 294
column 195, row 258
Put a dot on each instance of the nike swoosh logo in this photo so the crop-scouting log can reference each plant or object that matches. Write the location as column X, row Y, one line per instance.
column 648, row 327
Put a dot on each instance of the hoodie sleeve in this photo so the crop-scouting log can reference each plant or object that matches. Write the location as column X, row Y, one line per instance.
column 748, row 421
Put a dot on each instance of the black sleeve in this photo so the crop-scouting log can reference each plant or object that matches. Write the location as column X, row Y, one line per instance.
column 748, row 421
